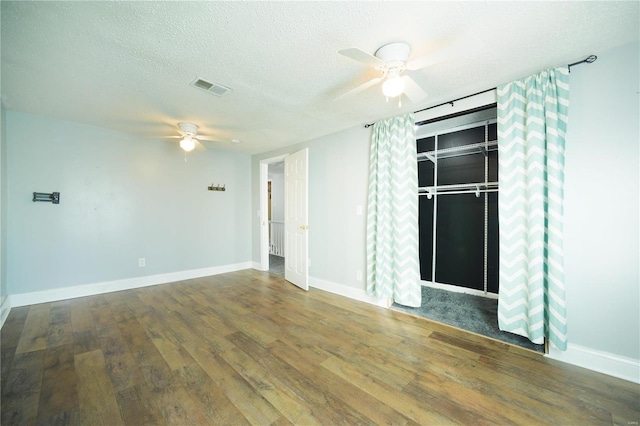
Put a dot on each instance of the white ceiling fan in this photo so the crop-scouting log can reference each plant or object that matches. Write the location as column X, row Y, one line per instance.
column 392, row 60
column 189, row 138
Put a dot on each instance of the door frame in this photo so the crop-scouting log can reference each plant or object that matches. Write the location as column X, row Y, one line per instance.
column 263, row 211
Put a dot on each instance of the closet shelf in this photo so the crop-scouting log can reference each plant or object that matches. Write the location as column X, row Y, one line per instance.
column 459, row 188
column 457, row 151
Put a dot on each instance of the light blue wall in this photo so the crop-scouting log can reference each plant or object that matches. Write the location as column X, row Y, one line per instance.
column 3, row 207
column 122, row 198
column 601, row 204
column 338, row 179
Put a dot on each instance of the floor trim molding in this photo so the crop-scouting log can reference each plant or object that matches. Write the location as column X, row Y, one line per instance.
column 56, row 294
column 257, row 266
column 602, row 362
column 346, row 291
column 5, row 308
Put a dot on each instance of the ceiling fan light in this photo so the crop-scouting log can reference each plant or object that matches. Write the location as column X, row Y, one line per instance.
column 393, row 86
column 187, row 144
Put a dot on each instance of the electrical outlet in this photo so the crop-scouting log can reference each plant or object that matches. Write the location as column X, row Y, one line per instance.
column 142, row 262
column 358, row 275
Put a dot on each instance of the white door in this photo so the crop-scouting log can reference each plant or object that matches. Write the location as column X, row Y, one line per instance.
column 296, row 225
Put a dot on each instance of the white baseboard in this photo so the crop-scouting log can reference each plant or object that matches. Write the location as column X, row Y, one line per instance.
column 257, row 266
column 346, row 291
column 602, row 362
column 55, row 294
column 5, row 308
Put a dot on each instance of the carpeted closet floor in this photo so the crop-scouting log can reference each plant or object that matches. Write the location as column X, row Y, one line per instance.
column 468, row 312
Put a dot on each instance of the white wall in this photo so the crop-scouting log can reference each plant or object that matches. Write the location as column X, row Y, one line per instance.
column 122, row 198
column 601, row 204
column 338, row 179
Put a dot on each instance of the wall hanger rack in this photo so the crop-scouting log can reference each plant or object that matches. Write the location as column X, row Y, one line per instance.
column 216, row 188
column 53, row 197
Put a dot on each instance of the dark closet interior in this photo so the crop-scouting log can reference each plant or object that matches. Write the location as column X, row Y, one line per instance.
column 455, row 167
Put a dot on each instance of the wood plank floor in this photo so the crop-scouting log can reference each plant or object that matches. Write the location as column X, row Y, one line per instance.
column 249, row 348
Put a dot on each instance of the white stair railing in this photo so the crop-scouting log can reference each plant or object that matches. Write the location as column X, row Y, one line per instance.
column 276, row 238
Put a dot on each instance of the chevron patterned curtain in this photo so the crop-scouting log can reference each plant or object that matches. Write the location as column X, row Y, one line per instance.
column 532, row 122
column 393, row 264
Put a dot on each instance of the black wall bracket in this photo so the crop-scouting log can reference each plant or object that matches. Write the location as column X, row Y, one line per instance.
column 53, row 197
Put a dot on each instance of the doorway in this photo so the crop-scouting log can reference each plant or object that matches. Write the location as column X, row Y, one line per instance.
column 295, row 206
column 275, row 215
column 265, row 208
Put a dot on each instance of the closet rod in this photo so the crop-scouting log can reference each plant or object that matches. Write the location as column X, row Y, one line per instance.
column 466, row 191
column 588, row 60
column 456, row 186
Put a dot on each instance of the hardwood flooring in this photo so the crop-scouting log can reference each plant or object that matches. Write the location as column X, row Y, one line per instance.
column 249, row 348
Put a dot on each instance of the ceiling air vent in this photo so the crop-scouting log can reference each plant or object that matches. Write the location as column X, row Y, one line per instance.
column 216, row 89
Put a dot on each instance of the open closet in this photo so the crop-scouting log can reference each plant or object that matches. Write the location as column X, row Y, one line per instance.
column 458, row 187
column 458, row 223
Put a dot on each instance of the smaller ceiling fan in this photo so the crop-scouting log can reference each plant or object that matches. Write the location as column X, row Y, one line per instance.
column 392, row 60
column 189, row 138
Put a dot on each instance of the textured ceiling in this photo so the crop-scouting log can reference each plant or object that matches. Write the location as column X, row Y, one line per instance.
column 127, row 65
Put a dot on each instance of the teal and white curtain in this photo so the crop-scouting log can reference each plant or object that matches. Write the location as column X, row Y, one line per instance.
column 393, row 262
column 532, row 122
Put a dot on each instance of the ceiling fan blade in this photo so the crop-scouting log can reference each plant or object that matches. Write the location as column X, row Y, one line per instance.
column 441, row 55
column 207, row 139
column 362, row 56
column 360, row 88
column 199, row 145
column 412, row 90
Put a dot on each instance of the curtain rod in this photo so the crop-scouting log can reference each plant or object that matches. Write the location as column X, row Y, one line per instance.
column 588, row 60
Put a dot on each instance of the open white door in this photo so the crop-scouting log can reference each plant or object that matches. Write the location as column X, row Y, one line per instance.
column 296, row 227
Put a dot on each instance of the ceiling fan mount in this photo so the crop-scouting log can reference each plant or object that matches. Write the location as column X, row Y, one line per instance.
column 189, row 137
column 188, row 129
column 394, row 55
column 393, row 59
